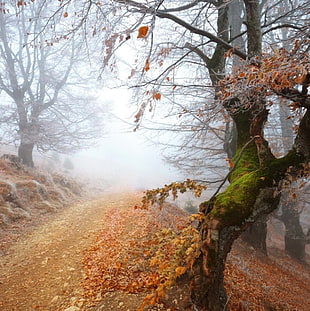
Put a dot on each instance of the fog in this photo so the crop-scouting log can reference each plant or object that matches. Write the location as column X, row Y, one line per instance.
column 123, row 158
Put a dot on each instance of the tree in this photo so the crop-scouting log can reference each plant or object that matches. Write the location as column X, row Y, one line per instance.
column 43, row 84
column 279, row 16
column 295, row 239
column 256, row 175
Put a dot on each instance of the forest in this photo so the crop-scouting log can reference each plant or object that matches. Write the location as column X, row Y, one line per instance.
column 221, row 85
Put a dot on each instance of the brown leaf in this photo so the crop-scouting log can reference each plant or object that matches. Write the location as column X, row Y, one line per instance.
column 142, row 31
column 146, row 66
column 156, row 96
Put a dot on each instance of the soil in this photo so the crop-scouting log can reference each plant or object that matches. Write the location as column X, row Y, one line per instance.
column 43, row 270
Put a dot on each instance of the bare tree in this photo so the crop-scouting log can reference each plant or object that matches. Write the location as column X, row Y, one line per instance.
column 46, row 101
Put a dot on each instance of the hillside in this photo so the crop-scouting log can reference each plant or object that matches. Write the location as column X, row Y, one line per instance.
column 118, row 269
column 27, row 195
column 61, row 251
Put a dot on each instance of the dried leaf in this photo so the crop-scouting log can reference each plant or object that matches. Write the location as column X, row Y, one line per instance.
column 180, row 270
column 142, row 31
column 146, row 66
column 156, row 96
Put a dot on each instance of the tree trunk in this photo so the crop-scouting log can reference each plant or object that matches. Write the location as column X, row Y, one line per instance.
column 25, row 151
column 295, row 239
column 295, row 245
column 208, row 292
column 256, row 235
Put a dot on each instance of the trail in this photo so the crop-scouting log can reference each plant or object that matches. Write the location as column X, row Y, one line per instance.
column 43, row 270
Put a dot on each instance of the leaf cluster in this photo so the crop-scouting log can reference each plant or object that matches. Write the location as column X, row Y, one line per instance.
column 141, row 251
column 174, row 254
column 159, row 195
column 283, row 73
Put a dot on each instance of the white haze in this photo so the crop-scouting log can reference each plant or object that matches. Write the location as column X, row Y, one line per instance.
column 123, row 159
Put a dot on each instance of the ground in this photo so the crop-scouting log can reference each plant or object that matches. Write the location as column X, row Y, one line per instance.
column 43, row 269
column 87, row 256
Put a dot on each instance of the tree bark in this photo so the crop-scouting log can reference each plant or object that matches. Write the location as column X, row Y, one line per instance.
column 25, row 152
column 256, row 235
column 295, row 239
column 254, row 34
column 208, row 292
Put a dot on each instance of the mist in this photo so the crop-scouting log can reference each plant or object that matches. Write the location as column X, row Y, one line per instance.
column 123, row 159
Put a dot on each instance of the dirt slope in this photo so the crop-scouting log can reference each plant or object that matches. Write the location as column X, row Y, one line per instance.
column 42, row 270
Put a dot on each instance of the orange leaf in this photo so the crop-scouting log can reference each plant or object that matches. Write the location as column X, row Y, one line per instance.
column 142, row 31
column 230, row 163
column 146, row 66
column 180, row 270
column 66, row 14
column 156, row 96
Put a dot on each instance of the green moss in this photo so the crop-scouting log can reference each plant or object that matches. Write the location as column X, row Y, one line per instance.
column 248, row 162
column 235, row 204
column 277, row 167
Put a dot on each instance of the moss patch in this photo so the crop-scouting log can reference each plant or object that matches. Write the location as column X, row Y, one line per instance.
column 248, row 162
column 235, row 204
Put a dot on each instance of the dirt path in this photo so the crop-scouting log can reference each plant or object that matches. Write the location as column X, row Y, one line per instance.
column 42, row 270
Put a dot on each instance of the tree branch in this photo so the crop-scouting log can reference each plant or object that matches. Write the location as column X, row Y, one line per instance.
column 192, row 29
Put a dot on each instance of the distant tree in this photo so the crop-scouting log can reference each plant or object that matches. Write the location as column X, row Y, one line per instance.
column 44, row 84
column 295, row 238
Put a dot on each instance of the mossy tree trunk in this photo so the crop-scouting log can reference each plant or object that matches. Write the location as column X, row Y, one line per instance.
column 251, row 194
